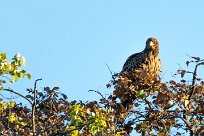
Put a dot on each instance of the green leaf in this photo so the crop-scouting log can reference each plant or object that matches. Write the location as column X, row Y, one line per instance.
column 2, row 56
column 11, row 81
column 29, row 76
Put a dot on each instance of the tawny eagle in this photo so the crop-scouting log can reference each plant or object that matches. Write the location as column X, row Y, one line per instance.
column 147, row 60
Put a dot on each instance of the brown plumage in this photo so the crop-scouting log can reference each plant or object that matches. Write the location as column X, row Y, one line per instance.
column 148, row 59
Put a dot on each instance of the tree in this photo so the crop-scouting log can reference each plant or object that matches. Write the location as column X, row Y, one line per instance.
column 139, row 102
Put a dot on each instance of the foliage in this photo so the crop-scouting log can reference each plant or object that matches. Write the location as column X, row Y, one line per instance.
column 11, row 70
column 139, row 102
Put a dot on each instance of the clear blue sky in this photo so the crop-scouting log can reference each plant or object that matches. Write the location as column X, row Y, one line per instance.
column 67, row 43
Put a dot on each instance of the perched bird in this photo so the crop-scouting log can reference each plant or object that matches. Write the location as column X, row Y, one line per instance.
column 147, row 60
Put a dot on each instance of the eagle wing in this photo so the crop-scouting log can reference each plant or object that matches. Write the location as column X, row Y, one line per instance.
column 134, row 61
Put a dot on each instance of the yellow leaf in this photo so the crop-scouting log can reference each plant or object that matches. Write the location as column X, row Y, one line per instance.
column 11, row 104
column 21, row 74
column 118, row 134
column 15, row 77
column 11, row 118
column 22, row 123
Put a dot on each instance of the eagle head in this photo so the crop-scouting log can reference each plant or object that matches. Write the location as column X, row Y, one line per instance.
column 152, row 44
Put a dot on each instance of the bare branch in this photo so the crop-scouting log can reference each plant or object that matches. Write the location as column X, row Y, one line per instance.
column 33, row 107
column 97, row 93
column 112, row 75
column 188, row 124
column 194, row 79
column 149, row 104
column 12, row 91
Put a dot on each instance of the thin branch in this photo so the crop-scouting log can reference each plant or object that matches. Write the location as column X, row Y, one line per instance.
column 187, row 123
column 139, row 113
column 34, row 106
column 10, row 90
column 109, row 69
column 194, row 79
column 97, row 93
column 149, row 104
column 111, row 72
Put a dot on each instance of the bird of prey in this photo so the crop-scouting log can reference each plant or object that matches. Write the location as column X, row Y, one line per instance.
column 147, row 60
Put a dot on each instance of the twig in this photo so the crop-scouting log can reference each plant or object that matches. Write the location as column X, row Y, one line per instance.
column 33, row 107
column 10, row 90
column 194, row 79
column 148, row 103
column 109, row 69
column 110, row 72
column 187, row 123
column 97, row 93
